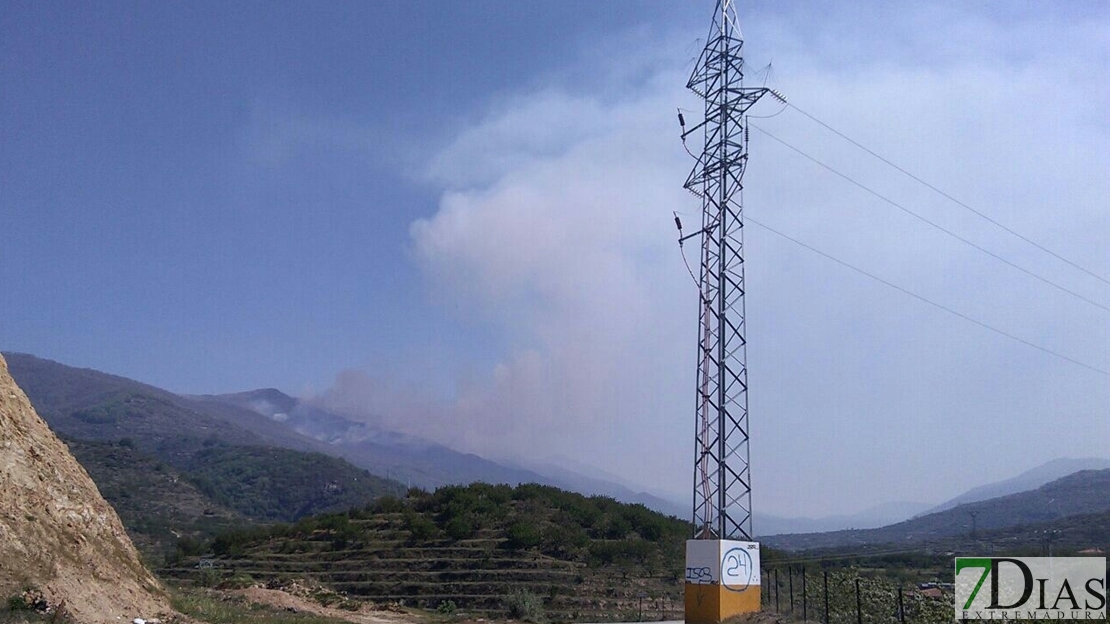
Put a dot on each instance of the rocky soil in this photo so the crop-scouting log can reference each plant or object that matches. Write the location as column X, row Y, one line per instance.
column 57, row 534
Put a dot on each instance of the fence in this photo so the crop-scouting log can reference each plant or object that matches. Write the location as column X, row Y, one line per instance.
column 843, row 596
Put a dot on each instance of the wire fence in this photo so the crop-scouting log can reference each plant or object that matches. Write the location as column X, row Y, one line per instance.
column 845, row 595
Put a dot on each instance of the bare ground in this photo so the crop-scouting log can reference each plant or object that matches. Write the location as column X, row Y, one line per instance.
column 284, row 600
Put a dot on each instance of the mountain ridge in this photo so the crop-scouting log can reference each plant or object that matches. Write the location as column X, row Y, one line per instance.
column 1081, row 493
column 1025, row 481
column 86, row 404
column 428, row 464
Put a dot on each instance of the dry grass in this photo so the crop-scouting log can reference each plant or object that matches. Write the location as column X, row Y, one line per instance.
column 217, row 608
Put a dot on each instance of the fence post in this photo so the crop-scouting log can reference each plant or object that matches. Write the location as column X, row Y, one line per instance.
column 776, row 589
column 826, row 575
column 901, row 607
column 803, row 593
column 790, row 583
column 859, row 607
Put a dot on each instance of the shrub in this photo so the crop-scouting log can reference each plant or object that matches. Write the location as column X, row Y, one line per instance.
column 17, row 603
column 526, row 606
column 522, row 536
column 209, row 577
column 615, row 527
column 447, row 607
column 558, row 539
column 240, row 580
column 29, row 599
column 420, row 528
column 388, row 504
column 461, row 527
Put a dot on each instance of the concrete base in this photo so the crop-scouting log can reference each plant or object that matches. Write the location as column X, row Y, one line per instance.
column 722, row 580
column 713, row 604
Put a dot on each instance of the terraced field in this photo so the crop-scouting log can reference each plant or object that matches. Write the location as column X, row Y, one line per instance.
column 389, row 557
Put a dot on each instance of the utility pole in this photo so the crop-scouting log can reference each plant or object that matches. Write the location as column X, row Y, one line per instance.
column 722, row 543
column 722, row 476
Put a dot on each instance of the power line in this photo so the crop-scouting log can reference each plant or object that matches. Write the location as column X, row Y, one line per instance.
column 939, row 306
column 932, row 223
column 947, row 196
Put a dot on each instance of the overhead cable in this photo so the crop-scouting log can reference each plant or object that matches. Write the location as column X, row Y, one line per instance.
column 940, row 192
column 933, row 223
column 1057, row 354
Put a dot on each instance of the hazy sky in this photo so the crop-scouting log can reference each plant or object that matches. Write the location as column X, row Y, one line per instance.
column 455, row 218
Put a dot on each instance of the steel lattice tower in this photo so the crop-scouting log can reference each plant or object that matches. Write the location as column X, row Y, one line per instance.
column 722, row 476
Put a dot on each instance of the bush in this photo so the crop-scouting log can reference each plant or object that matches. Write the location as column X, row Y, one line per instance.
column 209, row 577
column 388, row 504
column 240, row 580
column 526, row 606
column 420, row 528
column 28, row 600
column 615, row 527
column 522, row 536
column 447, row 607
column 563, row 540
column 17, row 603
column 461, row 527
column 652, row 529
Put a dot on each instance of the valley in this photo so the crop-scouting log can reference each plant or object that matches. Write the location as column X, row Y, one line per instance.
column 260, row 495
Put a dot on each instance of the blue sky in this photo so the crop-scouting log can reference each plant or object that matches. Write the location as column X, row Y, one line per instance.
column 455, row 218
column 177, row 209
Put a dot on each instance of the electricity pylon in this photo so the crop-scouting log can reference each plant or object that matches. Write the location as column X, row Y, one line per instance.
column 722, row 474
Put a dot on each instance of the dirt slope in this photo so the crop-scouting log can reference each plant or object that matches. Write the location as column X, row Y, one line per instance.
column 57, row 534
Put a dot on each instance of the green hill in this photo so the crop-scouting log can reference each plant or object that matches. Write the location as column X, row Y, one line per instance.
column 171, row 511
column 483, row 548
column 158, row 504
column 1063, row 536
column 279, row 485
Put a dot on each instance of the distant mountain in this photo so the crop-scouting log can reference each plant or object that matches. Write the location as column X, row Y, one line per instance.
column 1025, row 481
column 1085, row 492
column 411, row 460
column 86, row 404
column 872, row 517
column 178, row 467
column 414, row 460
